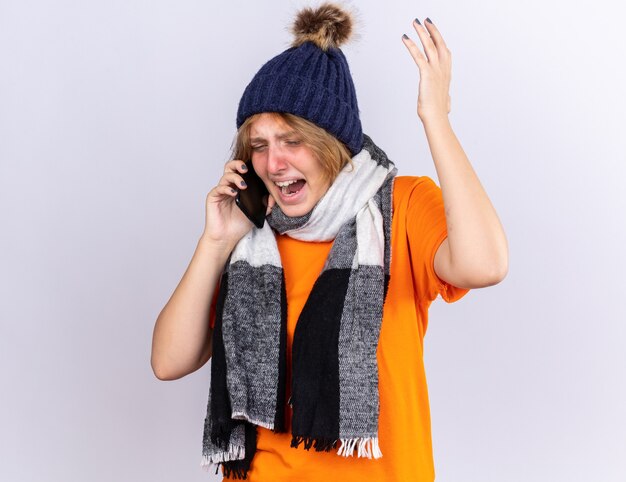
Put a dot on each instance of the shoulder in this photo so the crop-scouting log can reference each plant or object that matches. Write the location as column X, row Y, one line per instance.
column 404, row 184
column 407, row 189
column 417, row 207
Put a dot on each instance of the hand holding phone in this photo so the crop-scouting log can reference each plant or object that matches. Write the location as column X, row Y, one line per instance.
column 253, row 199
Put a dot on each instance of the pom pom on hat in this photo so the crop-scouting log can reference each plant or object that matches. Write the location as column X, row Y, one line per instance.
column 311, row 79
column 326, row 26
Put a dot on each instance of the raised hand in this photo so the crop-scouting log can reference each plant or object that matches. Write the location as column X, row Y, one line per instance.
column 225, row 223
column 435, row 65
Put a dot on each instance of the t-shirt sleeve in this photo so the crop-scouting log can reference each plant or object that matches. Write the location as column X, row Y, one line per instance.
column 426, row 230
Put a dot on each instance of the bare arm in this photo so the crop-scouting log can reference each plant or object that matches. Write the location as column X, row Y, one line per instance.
column 181, row 342
column 475, row 253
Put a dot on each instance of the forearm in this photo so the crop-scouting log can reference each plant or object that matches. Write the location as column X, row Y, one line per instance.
column 182, row 336
column 476, row 238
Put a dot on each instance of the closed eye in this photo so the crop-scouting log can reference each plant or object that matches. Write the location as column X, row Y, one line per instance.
column 290, row 143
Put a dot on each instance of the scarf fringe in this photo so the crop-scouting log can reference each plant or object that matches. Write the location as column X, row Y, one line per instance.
column 229, row 472
column 246, row 417
column 365, row 447
column 235, row 473
column 319, row 444
column 234, row 452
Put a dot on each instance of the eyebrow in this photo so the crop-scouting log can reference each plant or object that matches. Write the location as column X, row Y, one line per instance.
column 279, row 136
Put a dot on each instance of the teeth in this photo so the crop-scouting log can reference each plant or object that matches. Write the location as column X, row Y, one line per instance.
column 285, row 183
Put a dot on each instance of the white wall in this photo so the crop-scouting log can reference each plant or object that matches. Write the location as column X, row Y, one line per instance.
column 115, row 120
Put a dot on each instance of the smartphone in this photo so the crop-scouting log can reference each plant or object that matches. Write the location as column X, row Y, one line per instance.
column 253, row 200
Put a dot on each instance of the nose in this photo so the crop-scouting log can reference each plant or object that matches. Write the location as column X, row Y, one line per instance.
column 276, row 161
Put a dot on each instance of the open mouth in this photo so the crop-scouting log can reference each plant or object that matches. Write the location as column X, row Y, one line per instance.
column 290, row 188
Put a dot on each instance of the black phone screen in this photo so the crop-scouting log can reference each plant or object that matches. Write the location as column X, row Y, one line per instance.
column 252, row 201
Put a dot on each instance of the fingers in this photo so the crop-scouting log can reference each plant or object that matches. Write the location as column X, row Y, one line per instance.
column 419, row 58
column 443, row 52
column 436, row 37
column 435, row 47
column 225, row 190
column 232, row 179
column 231, row 182
column 429, row 46
column 221, row 192
column 235, row 165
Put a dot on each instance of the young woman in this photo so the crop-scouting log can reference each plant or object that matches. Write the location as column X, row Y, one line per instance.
column 315, row 322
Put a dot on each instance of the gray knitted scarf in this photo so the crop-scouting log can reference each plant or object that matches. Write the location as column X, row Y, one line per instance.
column 334, row 384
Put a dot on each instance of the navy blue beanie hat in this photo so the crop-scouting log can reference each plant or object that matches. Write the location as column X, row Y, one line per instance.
column 311, row 79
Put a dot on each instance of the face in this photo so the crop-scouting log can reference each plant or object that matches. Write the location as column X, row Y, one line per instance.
column 288, row 167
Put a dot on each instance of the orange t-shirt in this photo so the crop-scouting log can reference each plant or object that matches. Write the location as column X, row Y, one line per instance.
column 418, row 228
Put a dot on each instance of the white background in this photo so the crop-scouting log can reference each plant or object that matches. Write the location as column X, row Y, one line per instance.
column 115, row 120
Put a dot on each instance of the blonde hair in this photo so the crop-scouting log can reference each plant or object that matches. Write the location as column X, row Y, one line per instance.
column 332, row 154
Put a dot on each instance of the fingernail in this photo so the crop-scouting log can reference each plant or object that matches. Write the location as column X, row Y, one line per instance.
column 244, row 167
column 429, row 20
column 417, row 21
column 405, row 36
column 232, row 190
column 243, row 183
